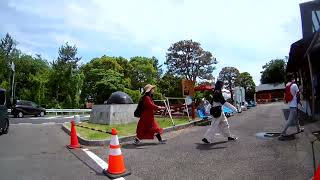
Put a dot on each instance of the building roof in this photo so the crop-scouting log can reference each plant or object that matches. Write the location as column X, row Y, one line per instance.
column 270, row 87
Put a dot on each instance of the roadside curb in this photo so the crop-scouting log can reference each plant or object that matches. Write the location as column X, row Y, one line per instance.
column 103, row 142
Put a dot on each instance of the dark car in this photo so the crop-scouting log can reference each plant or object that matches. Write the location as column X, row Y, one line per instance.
column 4, row 119
column 22, row 108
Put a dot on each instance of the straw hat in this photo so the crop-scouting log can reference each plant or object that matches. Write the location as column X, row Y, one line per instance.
column 148, row 87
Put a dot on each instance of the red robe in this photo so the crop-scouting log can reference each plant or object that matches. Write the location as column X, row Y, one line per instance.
column 147, row 126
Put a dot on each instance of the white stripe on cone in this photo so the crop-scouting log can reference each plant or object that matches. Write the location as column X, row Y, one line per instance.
column 115, row 152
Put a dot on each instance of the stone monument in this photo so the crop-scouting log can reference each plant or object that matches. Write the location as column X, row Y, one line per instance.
column 118, row 109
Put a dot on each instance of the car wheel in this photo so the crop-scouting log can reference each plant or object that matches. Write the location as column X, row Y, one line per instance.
column 20, row 114
column 41, row 113
column 6, row 127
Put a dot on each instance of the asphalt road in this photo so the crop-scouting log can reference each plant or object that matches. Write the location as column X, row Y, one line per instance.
column 45, row 120
column 39, row 152
column 186, row 157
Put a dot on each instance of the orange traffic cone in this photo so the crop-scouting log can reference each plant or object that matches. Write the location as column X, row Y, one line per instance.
column 74, row 143
column 317, row 174
column 116, row 166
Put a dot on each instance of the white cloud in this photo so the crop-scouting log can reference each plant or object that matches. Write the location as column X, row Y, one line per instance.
column 244, row 33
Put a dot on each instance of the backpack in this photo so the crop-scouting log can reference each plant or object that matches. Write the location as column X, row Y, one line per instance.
column 137, row 113
column 288, row 96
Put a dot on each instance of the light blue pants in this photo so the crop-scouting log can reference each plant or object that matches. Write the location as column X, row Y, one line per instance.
column 292, row 120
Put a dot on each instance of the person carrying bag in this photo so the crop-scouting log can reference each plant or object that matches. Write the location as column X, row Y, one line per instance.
column 219, row 120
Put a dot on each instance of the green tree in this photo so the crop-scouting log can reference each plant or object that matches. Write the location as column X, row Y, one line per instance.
column 65, row 80
column 229, row 75
column 186, row 58
column 103, row 76
column 7, row 47
column 245, row 80
column 274, row 72
column 170, row 85
column 142, row 72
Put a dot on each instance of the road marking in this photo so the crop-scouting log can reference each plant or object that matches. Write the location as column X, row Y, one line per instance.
column 99, row 161
column 25, row 123
column 49, row 123
column 53, row 117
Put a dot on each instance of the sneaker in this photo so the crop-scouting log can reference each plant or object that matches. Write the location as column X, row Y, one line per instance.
column 205, row 141
column 301, row 130
column 232, row 138
column 163, row 141
column 136, row 141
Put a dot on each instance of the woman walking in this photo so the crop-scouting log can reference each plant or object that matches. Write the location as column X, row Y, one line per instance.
column 147, row 126
column 219, row 119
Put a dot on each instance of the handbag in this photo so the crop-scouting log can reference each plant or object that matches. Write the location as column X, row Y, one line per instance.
column 137, row 113
column 216, row 111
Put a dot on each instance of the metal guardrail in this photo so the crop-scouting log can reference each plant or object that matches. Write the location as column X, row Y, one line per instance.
column 56, row 111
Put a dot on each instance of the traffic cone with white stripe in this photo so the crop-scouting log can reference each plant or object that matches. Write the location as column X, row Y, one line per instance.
column 116, row 167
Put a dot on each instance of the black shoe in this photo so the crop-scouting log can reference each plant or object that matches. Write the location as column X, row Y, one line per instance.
column 205, row 141
column 163, row 141
column 136, row 141
column 232, row 138
column 300, row 130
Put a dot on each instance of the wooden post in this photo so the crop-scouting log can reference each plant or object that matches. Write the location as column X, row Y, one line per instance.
column 193, row 112
column 312, row 87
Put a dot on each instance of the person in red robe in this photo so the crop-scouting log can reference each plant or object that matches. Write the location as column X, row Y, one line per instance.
column 148, row 127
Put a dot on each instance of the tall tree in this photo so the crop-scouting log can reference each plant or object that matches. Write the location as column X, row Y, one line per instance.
column 64, row 79
column 7, row 45
column 229, row 76
column 245, row 80
column 274, row 72
column 187, row 58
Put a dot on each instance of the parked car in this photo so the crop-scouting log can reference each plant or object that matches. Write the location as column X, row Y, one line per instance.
column 4, row 118
column 22, row 108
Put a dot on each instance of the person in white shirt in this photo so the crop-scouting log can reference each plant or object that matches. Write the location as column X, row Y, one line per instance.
column 293, row 106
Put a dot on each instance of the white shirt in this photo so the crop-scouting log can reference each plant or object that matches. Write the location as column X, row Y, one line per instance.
column 294, row 90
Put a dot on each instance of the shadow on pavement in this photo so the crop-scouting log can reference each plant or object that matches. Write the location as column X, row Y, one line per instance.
column 210, row 146
column 139, row 146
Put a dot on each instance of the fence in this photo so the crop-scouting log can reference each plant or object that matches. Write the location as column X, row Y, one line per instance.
column 65, row 111
column 68, row 111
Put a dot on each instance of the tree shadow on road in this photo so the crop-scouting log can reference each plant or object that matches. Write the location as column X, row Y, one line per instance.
column 139, row 146
column 210, row 146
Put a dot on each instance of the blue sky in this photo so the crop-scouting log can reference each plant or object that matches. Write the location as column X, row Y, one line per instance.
column 241, row 33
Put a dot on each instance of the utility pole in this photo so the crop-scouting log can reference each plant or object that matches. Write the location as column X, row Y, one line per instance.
column 12, row 84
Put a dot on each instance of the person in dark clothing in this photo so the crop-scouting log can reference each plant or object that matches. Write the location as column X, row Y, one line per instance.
column 219, row 122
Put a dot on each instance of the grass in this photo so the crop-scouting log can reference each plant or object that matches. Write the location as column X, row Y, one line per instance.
column 122, row 129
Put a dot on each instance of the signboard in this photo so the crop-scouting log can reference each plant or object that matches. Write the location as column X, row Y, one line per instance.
column 187, row 87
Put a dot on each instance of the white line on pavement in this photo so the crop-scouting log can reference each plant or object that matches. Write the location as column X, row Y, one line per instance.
column 49, row 123
column 25, row 123
column 99, row 161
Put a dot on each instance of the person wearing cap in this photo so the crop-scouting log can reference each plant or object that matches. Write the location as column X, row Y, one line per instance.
column 220, row 121
column 147, row 126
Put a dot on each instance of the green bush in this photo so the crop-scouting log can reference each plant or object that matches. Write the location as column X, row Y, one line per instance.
column 134, row 94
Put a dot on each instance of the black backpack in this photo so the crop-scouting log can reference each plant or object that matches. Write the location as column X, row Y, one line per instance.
column 138, row 111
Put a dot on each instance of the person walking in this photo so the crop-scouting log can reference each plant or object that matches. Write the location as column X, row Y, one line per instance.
column 147, row 126
column 219, row 120
column 292, row 97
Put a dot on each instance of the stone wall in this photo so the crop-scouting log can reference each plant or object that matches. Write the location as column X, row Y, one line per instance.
column 113, row 114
